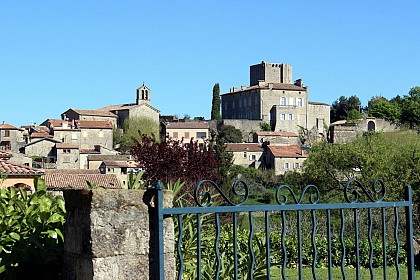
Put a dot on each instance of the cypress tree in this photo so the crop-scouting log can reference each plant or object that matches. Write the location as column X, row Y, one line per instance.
column 215, row 103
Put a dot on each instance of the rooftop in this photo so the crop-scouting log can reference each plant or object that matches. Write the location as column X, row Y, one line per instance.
column 13, row 170
column 79, row 181
column 276, row 133
column 292, row 151
column 188, row 125
column 244, row 147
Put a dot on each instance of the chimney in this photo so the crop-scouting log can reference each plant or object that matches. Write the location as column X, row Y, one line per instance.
column 299, row 83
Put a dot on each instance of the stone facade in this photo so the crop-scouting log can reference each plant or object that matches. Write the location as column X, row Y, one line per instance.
column 276, row 138
column 109, row 235
column 342, row 132
column 11, row 138
column 247, row 154
column 196, row 130
column 273, row 98
column 285, row 158
column 67, row 156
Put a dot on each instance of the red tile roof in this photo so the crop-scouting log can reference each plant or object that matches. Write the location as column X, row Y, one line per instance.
column 188, row 125
column 122, row 163
column 101, row 113
column 66, row 146
column 72, row 171
column 94, row 124
column 7, row 126
column 278, row 86
column 78, row 181
column 287, row 151
column 244, row 147
column 41, row 135
column 13, row 170
column 276, row 133
column 109, row 157
column 56, row 122
column 5, row 154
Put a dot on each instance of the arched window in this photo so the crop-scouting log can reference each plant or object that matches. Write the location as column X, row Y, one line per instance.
column 371, row 126
column 283, row 101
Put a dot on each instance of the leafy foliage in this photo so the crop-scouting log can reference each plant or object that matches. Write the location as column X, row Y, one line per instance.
column 410, row 112
column 215, row 103
column 171, row 160
column 130, row 130
column 341, row 107
column 380, row 107
column 353, row 115
column 230, row 134
column 31, row 236
column 265, row 126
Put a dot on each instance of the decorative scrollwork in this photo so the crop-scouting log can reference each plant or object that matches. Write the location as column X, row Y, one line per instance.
column 348, row 189
column 203, row 198
column 282, row 198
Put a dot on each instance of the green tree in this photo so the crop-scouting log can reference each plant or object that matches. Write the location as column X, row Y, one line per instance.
column 353, row 115
column 380, row 107
column 342, row 106
column 230, row 134
column 265, row 126
column 130, row 131
column 392, row 157
column 410, row 112
column 215, row 103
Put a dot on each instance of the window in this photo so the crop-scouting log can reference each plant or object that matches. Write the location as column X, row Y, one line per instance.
column 283, row 101
column 74, row 136
column 291, row 101
column 299, row 102
column 244, row 154
column 283, row 117
column 175, row 134
column 7, row 133
column 291, row 117
column 101, row 134
column 201, row 135
column 253, row 157
column 66, row 159
column 286, row 165
column 186, row 134
column 297, row 165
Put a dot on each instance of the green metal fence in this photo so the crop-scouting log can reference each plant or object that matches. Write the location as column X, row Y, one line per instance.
column 358, row 201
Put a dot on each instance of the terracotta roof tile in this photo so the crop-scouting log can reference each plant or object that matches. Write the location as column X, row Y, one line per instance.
column 278, row 86
column 5, row 154
column 13, row 170
column 276, row 133
column 66, row 146
column 109, row 157
column 78, row 181
column 72, row 171
column 122, row 163
column 6, row 126
column 244, row 147
column 287, row 151
column 40, row 135
column 94, row 124
column 102, row 113
column 187, row 125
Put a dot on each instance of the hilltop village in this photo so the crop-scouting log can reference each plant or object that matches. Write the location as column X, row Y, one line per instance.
column 79, row 145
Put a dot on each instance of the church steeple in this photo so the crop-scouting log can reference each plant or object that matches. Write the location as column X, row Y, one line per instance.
column 143, row 95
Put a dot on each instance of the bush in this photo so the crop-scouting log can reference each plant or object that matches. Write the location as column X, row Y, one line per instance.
column 31, row 239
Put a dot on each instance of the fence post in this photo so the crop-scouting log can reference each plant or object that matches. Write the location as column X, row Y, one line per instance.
column 409, row 232
column 160, row 265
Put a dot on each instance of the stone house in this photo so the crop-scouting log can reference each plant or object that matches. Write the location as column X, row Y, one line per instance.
column 95, row 160
column 97, row 150
column 276, row 138
column 121, row 169
column 19, row 175
column 141, row 109
column 247, row 154
column 67, row 156
column 274, row 98
column 18, row 158
column 43, row 149
column 89, row 115
column 196, row 130
column 285, row 158
column 343, row 131
column 11, row 138
column 95, row 133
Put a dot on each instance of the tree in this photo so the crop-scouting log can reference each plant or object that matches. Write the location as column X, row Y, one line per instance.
column 380, row 107
column 353, row 115
column 215, row 103
column 342, row 106
column 130, row 130
column 265, row 126
column 230, row 134
column 410, row 112
column 392, row 157
column 171, row 160
column 225, row 160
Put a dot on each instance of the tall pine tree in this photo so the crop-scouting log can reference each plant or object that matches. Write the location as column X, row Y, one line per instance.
column 215, row 103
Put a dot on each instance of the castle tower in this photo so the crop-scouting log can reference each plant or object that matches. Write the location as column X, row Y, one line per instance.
column 270, row 73
column 143, row 95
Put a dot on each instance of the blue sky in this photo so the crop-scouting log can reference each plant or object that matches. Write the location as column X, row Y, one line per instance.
column 56, row 55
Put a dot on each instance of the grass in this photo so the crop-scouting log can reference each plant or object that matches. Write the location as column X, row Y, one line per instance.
column 322, row 273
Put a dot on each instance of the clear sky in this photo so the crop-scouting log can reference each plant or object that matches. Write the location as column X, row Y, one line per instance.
column 56, row 55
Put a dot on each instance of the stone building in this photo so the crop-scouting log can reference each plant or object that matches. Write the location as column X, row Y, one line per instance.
column 343, row 131
column 141, row 109
column 247, row 154
column 276, row 138
column 196, row 130
column 18, row 175
column 11, row 138
column 285, row 158
column 272, row 97
column 67, row 156
column 89, row 115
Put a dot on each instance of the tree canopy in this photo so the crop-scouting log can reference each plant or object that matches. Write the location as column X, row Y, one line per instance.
column 230, row 134
column 380, row 107
column 215, row 103
column 342, row 106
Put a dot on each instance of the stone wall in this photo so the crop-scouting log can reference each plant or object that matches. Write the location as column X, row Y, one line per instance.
column 248, row 127
column 109, row 234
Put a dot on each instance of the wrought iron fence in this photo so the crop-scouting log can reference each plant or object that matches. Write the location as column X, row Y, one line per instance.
column 364, row 212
